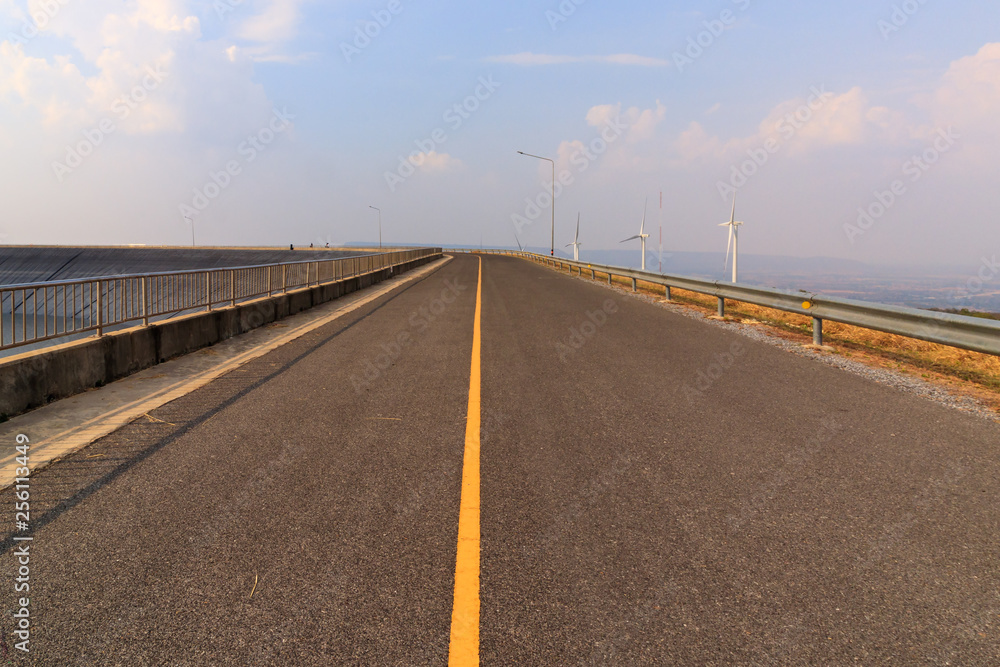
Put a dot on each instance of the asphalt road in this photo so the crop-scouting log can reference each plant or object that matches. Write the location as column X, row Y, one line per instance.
column 654, row 491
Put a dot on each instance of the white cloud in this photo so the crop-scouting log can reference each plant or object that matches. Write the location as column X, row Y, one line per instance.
column 55, row 89
column 277, row 21
column 641, row 123
column 528, row 59
column 108, row 50
column 968, row 98
column 268, row 31
column 434, row 161
column 804, row 125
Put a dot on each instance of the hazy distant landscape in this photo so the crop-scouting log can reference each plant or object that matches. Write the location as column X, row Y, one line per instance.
column 919, row 287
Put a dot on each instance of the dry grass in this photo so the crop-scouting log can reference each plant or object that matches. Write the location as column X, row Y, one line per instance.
column 964, row 372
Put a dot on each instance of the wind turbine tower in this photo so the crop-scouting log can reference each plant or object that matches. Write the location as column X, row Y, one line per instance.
column 576, row 241
column 734, row 240
column 642, row 236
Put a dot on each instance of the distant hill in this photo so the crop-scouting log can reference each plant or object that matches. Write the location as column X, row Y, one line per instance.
column 969, row 313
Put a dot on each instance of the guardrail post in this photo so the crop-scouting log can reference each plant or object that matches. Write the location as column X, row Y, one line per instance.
column 817, row 332
column 145, row 302
column 667, row 292
column 635, row 285
column 722, row 307
column 609, row 278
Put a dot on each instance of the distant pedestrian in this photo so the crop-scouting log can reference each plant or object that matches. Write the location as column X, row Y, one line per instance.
column 327, row 244
column 291, row 246
column 310, row 245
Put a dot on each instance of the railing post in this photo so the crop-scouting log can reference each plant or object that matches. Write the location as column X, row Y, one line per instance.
column 145, row 302
column 817, row 332
column 232, row 287
column 284, row 278
column 722, row 306
column 100, row 311
column 208, row 289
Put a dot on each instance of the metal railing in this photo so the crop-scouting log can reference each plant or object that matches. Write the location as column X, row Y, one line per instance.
column 961, row 331
column 37, row 312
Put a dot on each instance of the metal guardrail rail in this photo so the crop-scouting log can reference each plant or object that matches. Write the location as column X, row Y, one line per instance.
column 969, row 333
column 37, row 312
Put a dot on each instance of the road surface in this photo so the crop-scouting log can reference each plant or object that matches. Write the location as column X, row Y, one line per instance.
column 652, row 490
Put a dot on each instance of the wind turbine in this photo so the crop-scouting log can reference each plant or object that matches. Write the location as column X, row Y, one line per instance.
column 519, row 246
column 576, row 241
column 642, row 236
column 187, row 216
column 734, row 239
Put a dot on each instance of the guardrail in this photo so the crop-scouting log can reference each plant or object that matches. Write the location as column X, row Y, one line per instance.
column 969, row 333
column 37, row 312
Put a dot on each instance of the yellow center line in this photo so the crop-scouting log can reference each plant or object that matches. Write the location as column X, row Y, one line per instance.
column 464, row 648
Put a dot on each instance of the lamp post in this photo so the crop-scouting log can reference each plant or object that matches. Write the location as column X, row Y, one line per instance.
column 190, row 220
column 552, row 249
column 379, row 226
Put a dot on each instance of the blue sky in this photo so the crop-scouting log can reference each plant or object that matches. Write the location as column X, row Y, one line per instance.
column 189, row 91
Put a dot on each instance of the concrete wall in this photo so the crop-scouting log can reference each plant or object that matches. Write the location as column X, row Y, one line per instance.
column 30, row 380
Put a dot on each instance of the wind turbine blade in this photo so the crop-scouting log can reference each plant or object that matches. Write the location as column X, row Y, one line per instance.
column 642, row 227
column 631, row 238
column 575, row 240
column 732, row 218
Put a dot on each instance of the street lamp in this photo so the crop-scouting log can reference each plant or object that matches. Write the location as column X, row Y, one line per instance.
column 379, row 226
column 552, row 250
column 187, row 216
